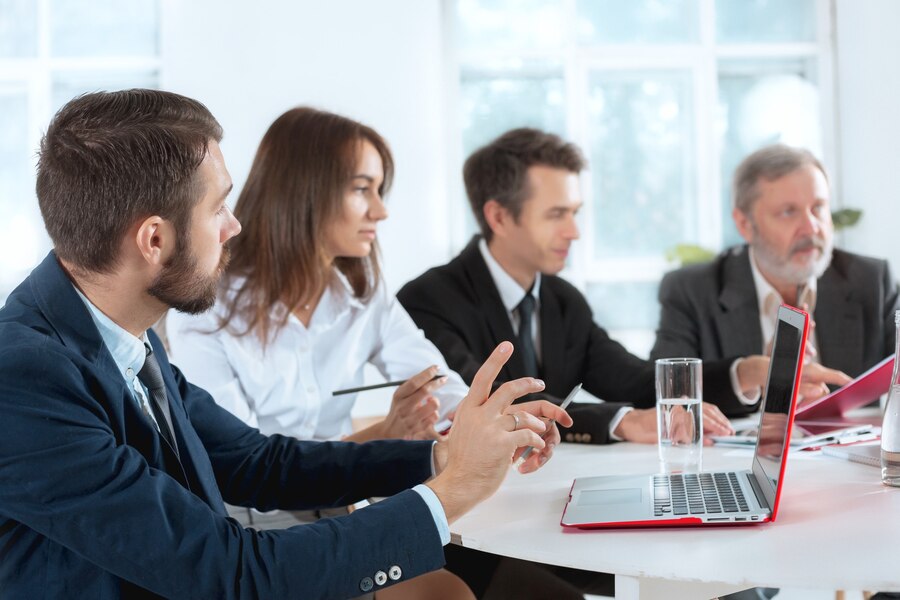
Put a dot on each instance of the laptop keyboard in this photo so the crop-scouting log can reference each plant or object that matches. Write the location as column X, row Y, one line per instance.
column 697, row 494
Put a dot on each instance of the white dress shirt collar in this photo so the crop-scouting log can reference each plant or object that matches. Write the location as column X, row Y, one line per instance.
column 511, row 293
column 769, row 300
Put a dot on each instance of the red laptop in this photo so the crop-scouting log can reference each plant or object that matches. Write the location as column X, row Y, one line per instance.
column 708, row 498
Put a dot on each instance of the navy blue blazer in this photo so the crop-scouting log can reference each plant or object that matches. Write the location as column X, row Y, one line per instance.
column 94, row 504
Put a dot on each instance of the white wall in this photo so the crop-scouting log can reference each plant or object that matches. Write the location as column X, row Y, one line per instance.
column 868, row 49
column 378, row 62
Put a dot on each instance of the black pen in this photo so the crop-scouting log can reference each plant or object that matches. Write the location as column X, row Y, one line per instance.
column 366, row 388
column 550, row 423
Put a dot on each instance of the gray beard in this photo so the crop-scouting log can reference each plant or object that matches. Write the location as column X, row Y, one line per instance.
column 783, row 270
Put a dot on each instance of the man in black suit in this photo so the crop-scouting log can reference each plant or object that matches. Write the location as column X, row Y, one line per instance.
column 727, row 307
column 524, row 191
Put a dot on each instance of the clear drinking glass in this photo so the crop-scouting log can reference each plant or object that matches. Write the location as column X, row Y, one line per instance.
column 679, row 393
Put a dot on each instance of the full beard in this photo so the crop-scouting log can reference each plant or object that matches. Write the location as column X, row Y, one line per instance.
column 182, row 286
column 783, row 269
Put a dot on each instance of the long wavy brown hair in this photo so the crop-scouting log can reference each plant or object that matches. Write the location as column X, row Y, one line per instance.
column 294, row 192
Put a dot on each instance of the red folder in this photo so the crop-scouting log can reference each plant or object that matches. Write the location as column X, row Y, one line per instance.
column 859, row 392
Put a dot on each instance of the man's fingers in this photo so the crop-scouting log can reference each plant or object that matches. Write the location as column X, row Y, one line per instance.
column 526, row 437
column 816, row 373
column 545, row 410
column 537, row 459
column 526, row 420
column 480, row 389
column 509, row 391
column 714, row 422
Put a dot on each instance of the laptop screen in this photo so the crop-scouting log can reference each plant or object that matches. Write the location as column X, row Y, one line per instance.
column 779, row 398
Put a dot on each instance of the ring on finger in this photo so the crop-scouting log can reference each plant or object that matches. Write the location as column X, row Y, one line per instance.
column 515, row 417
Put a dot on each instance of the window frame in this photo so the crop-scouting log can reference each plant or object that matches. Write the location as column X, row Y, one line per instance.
column 701, row 59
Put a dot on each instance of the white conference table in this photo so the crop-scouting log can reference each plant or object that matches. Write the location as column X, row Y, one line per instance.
column 837, row 528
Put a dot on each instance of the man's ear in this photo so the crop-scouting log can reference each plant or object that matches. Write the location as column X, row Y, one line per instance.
column 497, row 217
column 744, row 224
column 155, row 240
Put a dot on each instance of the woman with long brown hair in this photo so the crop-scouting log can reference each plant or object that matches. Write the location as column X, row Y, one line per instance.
column 303, row 306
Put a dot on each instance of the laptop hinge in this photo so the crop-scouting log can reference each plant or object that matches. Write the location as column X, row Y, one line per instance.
column 757, row 491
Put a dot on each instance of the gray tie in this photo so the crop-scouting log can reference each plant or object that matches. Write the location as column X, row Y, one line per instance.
column 526, row 339
column 151, row 376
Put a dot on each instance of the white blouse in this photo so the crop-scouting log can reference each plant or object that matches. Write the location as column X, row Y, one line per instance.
column 287, row 386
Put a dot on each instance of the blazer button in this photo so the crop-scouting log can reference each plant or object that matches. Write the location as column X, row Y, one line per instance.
column 395, row 573
column 578, row 438
column 570, row 437
column 366, row 584
column 586, row 438
column 380, row 577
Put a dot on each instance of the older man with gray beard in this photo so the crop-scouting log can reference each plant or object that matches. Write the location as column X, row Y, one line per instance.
column 726, row 308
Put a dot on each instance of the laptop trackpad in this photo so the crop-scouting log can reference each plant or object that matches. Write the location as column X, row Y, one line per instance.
column 605, row 497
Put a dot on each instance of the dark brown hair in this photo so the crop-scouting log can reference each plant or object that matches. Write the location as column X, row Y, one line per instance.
column 498, row 171
column 110, row 159
column 294, row 191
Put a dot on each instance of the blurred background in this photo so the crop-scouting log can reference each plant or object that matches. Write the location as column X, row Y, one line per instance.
column 664, row 96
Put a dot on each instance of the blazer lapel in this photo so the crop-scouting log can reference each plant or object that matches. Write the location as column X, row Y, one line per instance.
column 496, row 319
column 839, row 324
column 72, row 321
column 738, row 321
column 553, row 343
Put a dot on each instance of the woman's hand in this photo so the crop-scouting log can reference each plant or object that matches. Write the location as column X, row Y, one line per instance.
column 414, row 411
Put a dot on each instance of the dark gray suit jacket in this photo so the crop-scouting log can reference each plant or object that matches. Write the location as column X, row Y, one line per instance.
column 711, row 311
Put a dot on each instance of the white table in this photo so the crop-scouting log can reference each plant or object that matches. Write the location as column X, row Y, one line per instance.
column 837, row 527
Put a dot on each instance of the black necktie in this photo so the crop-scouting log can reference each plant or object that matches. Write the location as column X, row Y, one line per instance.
column 151, row 376
column 526, row 339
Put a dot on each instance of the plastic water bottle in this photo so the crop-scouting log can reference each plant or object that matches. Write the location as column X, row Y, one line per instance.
column 890, row 429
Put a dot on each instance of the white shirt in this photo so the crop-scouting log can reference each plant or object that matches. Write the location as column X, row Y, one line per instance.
column 287, row 386
column 511, row 293
column 768, row 300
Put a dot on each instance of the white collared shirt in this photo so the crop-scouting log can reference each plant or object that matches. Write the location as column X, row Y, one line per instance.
column 286, row 387
column 511, row 293
column 768, row 300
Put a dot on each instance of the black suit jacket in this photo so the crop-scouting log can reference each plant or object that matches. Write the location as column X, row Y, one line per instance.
column 458, row 307
column 711, row 310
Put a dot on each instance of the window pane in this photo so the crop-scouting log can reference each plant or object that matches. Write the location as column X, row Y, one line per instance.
column 22, row 237
column 68, row 84
column 492, row 105
column 761, row 103
column 18, row 28
column 624, row 304
column 505, row 24
column 641, row 153
column 104, row 27
column 742, row 21
column 638, row 21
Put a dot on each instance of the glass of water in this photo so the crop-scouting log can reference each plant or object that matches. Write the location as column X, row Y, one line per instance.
column 679, row 414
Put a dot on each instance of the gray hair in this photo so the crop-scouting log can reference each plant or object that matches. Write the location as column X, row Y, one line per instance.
column 769, row 163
